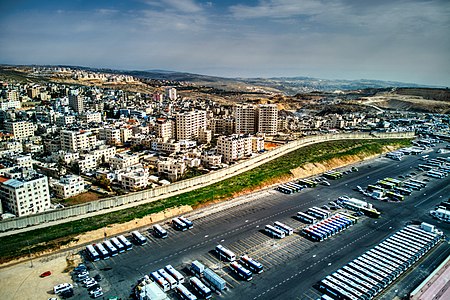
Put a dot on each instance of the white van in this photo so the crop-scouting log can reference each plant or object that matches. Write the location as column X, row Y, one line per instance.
column 62, row 287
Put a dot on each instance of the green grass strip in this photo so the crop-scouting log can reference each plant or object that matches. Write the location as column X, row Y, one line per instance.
column 53, row 237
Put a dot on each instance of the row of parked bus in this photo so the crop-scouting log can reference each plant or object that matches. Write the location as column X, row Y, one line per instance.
column 108, row 248
column 290, row 188
column 369, row 274
column 278, row 230
column 328, row 227
column 182, row 223
column 246, row 266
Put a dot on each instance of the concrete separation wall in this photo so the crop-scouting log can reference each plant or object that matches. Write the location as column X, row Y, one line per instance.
column 53, row 217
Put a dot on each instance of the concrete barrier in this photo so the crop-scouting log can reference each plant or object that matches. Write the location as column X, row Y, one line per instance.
column 107, row 205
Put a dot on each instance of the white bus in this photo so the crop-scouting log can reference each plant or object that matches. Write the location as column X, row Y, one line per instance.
column 179, row 225
column 241, row 271
column 159, row 231
column 161, row 281
column 111, row 249
column 306, row 218
column 120, row 247
column 175, row 274
column 274, row 232
column 202, row 290
column 287, row 230
column 186, row 221
column 253, row 265
column 125, row 242
column 102, row 251
column 92, row 253
column 173, row 283
column 224, row 252
column 138, row 237
column 184, row 293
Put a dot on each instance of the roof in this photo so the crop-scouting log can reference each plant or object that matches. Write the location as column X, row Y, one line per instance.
column 13, row 183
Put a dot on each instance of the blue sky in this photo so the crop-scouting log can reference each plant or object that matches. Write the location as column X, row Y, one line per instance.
column 403, row 40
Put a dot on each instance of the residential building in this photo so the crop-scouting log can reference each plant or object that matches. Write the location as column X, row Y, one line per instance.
column 267, row 118
column 171, row 93
column 77, row 140
column 244, row 116
column 234, row 147
column 20, row 129
column 25, row 195
column 173, row 169
column 68, row 186
column 10, row 104
column 76, row 102
column 123, row 160
column 164, row 129
column 134, row 180
column 188, row 124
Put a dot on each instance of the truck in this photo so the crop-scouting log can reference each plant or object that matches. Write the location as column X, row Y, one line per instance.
column 215, row 280
column 197, row 268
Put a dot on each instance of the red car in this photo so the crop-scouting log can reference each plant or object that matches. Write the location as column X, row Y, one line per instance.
column 45, row 274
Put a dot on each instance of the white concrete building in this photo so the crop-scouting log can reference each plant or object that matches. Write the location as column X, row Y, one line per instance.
column 134, row 180
column 68, row 186
column 20, row 129
column 164, row 129
column 234, row 147
column 171, row 93
column 244, row 117
column 26, row 195
column 77, row 140
column 172, row 168
column 189, row 123
column 267, row 118
column 123, row 160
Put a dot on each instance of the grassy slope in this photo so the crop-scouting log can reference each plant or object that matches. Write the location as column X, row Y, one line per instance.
column 54, row 236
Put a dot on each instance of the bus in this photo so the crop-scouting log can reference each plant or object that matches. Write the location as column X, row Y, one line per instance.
column 184, row 293
column 402, row 191
column 324, row 212
column 412, row 185
column 202, row 290
column 186, row 221
column 422, row 183
column 436, row 174
column 179, row 225
column 395, row 181
column 315, row 213
column 308, row 183
column 159, row 231
column 424, row 157
column 335, row 290
column 139, row 238
column 241, row 271
column 104, row 254
column 286, row 229
column 120, row 247
column 125, row 242
column 306, row 218
column 110, row 247
column 224, row 252
column 332, row 175
column 425, row 167
column 172, row 282
column 372, row 188
column 284, row 189
column 395, row 196
column 274, row 232
column 386, row 184
column 253, row 265
column 92, row 253
column 161, row 281
column 175, row 274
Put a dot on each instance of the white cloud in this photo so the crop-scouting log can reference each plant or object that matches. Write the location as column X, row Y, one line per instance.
column 186, row 6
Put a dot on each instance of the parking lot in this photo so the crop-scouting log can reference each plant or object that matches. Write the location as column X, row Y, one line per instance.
column 292, row 265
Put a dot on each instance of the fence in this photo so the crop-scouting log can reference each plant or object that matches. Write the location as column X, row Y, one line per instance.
column 133, row 199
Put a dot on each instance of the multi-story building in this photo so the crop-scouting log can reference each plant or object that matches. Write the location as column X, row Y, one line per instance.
column 110, row 134
column 135, row 180
column 189, row 123
column 91, row 117
column 76, row 102
column 234, row 147
column 172, row 168
column 77, row 140
column 222, row 126
column 164, row 129
column 24, row 161
column 171, row 93
column 12, row 95
column 68, row 186
column 20, row 129
column 25, row 195
column 205, row 136
column 123, row 160
column 166, row 147
column 65, row 120
column 10, row 104
column 267, row 118
column 244, row 116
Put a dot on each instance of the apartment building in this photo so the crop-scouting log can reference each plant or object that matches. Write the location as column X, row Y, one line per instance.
column 91, row 117
column 171, row 93
column 111, row 135
column 234, row 147
column 164, row 129
column 172, row 168
column 77, row 140
column 10, row 104
column 267, row 118
column 135, row 180
column 244, row 116
column 65, row 120
column 123, row 160
column 76, row 102
column 188, row 124
column 20, row 129
column 25, row 195
column 68, row 186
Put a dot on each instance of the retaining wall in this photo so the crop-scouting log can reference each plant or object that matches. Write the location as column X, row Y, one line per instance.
column 107, row 205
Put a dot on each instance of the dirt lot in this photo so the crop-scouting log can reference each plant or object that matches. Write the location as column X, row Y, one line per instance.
column 80, row 199
column 22, row 281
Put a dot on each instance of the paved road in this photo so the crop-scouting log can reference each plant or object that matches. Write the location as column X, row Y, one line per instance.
column 294, row 265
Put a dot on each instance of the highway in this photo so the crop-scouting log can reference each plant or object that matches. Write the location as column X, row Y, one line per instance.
column 293, row 265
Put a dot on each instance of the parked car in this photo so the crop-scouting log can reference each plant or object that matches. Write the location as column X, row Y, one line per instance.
column 45, row 274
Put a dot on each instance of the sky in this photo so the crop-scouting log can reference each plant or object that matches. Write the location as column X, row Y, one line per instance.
column 400, row 40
